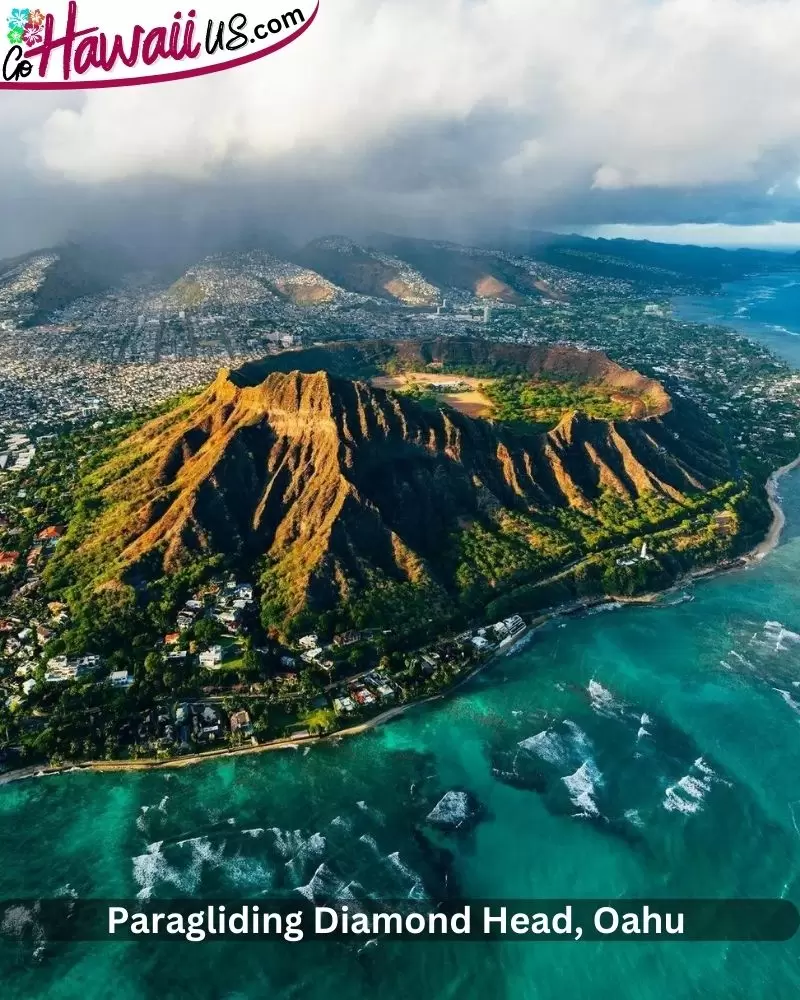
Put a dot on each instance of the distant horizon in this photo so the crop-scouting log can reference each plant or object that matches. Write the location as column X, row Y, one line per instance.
column 780, row 237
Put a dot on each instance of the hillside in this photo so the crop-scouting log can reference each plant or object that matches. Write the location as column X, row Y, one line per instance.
column 251, row 277
column 645, row 263
column 367, row 271
column 337, row 492
column 481, row 273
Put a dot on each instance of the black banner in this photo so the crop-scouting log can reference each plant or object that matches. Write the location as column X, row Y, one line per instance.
column 297, row 920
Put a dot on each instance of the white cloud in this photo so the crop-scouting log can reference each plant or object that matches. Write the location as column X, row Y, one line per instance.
column 583, row 96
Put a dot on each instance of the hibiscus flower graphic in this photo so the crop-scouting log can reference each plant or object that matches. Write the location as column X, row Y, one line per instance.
column 18, row 19
column 35, row 18
column 33, row 34
column 15, row 36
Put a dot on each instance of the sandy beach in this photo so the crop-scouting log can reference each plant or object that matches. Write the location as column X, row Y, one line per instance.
column 778, row 516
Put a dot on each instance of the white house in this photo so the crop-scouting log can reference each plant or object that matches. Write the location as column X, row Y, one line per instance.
column 211, row 659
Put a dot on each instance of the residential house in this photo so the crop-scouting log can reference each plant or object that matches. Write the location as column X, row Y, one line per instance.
column 363, row 696
column 206, row 723
column 212, row 658
column 59, row 670
column 240, row 723
column 8, row 561
column 51, row 535
column 347, row 638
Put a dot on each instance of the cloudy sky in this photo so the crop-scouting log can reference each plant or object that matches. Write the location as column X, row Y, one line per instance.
column 457, row 118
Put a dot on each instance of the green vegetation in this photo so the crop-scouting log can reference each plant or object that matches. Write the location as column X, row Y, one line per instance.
column 545, row 401
column 188, row 293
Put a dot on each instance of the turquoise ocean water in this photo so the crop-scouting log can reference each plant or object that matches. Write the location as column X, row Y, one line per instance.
column 635, row 752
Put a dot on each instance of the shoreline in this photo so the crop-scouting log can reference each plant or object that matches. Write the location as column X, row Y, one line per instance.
column 756, row 555
column 778, row 515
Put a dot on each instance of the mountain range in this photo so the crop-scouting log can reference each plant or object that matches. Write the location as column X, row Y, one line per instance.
column 401, row 270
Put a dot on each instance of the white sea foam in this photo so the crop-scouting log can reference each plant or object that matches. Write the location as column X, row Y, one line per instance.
column 152, row 869
column 520, row 644
column 688, row 794
column 142, row 818
column 451, row 810
column 578, row 738
column 287, row 842
column 365, row 838
column 642, row 733
column 790, row 701
column 673, row 802
column 548, row 745
column 308, row 850
column 255, row 832
column 416, row 889
column 603, row 701
column 582, row 787
column 633, row 816
column 324, row 884
column 342, row 822
column 249, row 873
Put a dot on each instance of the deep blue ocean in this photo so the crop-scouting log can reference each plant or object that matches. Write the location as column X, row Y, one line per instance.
column 656, row 752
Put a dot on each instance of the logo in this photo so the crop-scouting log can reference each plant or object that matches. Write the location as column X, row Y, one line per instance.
column 71, row 51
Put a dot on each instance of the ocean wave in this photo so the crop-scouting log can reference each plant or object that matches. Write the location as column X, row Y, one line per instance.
column 309, row 850
column 634, row 817
column 790, row 701
column 417, row 889
column 152, row 869
column 561, row 750
column 451, row 811
column 287, row 842
column 578, row 738
column 325, row 885
column 370, row 841
column 603, row 701
column 688, row 794
column 249, row 873
column 582, row 787
column 548, row 745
